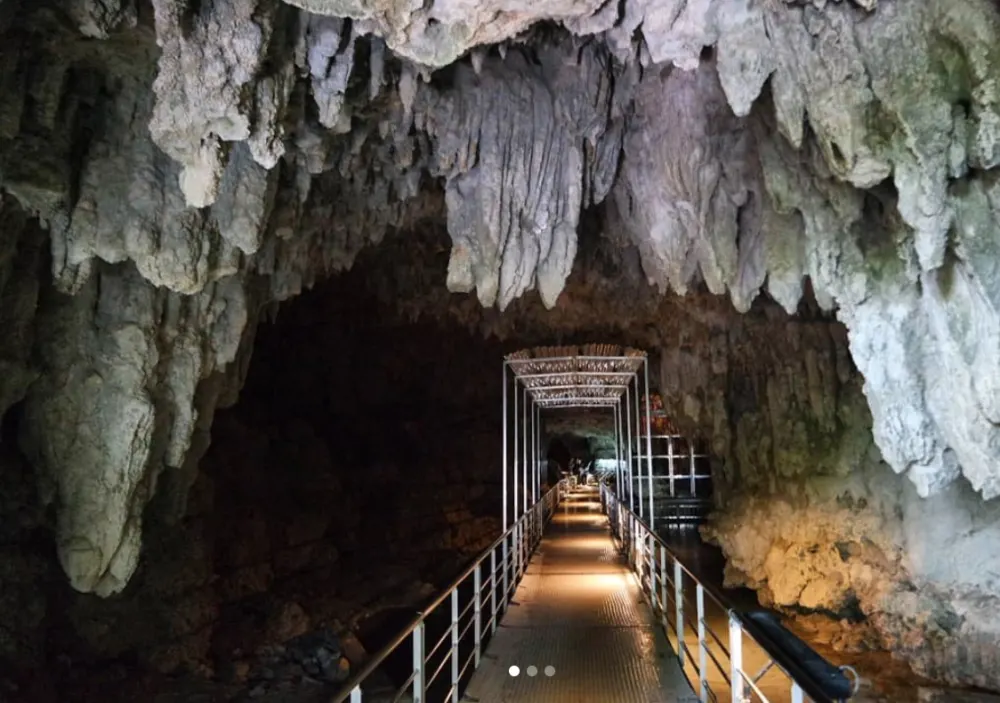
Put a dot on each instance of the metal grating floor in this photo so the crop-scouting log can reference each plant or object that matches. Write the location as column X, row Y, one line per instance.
column 579, row 612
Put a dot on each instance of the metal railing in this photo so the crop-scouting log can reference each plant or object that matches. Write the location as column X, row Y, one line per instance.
column 494, row 577
column 718, row 667
column 676, row 462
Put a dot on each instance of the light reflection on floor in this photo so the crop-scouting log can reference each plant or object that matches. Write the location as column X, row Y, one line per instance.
column 580, row 612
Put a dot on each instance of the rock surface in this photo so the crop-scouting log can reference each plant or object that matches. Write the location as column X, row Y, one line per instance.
column 327, row 495
column 809, row 515
column 181, row 165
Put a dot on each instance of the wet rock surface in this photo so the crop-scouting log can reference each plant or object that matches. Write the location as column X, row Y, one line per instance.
column 311, row 660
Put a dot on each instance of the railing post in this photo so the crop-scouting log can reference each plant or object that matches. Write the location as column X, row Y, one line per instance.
column 702, row 648
column 454, row 645
column 522, row 545
column 516, row 546
column 636, row 551
column 651, row 550
column 493, row 589
column 528, row 529
column 640, row 557
column 736, row 658
column 797, row 696
column 526, row 545
column 654, row 572
column 663, row 590
column 506, row 585
column 477, row 583
column 631, row 540
column 532, row 528
column 536, row 518
column 505, row 446
column 527, row 525
column 649, row 446
column 694, row 486
column 539, row 523
column 419, row 683
column 679, row 604
column 670, row 464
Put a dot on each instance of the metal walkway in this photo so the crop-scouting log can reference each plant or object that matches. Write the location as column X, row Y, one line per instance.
column 578, row 628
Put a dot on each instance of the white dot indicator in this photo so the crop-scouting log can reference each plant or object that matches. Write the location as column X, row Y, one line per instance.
column 514, row 671
column 531, row 670
column 550, row 670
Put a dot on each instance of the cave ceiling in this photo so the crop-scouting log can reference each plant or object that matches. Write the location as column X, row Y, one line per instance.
column 177, row 165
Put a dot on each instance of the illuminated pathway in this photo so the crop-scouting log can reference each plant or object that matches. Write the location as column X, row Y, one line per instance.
column 579, row 624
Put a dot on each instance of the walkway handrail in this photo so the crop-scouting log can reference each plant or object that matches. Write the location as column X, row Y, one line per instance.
column 822, row 681
column 516, row 544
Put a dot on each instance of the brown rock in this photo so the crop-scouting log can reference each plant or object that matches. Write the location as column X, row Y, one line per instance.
column 290, row 621
column 942, row 695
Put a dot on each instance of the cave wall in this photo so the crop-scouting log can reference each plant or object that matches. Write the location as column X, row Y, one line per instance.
column 175, row 185
column 358, row 472
column 853, row 144
column 807, row 512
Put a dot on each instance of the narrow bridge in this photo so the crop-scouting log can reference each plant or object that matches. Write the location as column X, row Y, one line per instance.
column 579, row 629
column 580, row 599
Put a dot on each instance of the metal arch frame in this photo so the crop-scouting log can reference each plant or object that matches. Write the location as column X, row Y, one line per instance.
column 595, row 389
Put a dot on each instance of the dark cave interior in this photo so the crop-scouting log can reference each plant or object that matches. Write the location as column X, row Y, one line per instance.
column 253, row 304
column 357, row 472
column 359, row 469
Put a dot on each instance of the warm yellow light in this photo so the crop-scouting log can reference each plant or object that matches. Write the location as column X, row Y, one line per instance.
column 597, row 543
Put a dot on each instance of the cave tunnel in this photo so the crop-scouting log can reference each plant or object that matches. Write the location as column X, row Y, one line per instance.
column 261, row 265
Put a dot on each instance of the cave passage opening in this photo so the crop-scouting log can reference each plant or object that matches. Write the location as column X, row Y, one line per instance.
column 378, row 387
column 615, row 421
column 594, row 376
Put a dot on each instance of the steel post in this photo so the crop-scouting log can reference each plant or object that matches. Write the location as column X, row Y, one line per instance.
column 477, row 584
column 663, row 592
column 524, row 450
column 623, row 466
column 736, row 659
column 654, row 575
column 635, row 459
column 533, row 456
column 679, row 605
column 454, row 646
column 641, row 500
column 626, row 420
column 638, row 438
column 797, row 695
column 506, row 566
column 670, row 464
column 534, row 453
column 419, row 682
column 493, row 590
column 694, row 487
column 504, row 446
column 651, row 550
column 640, row 555
column 618, row 442
column 538, row 452
column 649, row 446
column 517, row 513
column 702, row 647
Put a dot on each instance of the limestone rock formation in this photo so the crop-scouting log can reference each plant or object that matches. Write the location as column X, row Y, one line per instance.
column 523, row 146
column 181, row 165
